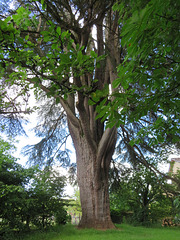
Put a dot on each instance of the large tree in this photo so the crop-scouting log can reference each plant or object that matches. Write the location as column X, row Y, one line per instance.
column 56, row 51
column 69, row 51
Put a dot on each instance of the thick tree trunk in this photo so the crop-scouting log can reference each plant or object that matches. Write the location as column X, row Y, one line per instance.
column 92, row 174
column 93, row 144
column 93, row 184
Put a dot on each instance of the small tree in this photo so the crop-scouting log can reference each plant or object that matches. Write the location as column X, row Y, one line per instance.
column 13, row 179
column 46, row 202
column 28, row 196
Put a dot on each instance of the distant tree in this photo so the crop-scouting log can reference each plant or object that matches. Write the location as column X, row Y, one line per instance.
column 140, row 196
column 74, row 207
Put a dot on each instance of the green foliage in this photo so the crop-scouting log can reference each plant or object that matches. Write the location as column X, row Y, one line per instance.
column 74, row 206
column 116, row 216
column 56, row 62
column 148, row 82
column 45, row 198
column 13, row 179
column 28, row 196
column 46, row 60
column 139, row 197
column 61, row 216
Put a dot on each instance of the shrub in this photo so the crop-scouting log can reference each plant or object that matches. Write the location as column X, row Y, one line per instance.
column 116, row 216
column 62, row 217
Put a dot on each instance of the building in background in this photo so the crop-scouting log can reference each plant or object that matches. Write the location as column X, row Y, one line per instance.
column 174, row 165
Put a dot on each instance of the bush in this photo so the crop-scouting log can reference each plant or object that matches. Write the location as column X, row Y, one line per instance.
column 62, row 217
column 116, row 216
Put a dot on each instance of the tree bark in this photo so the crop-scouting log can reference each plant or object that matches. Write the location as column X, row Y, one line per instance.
column 92, row 174
column 94, row 147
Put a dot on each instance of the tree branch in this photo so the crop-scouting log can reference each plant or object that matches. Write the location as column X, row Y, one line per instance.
column 85, row 122
column 105, row 143
column 15, row 112
column 72, row 118
column 63, row 102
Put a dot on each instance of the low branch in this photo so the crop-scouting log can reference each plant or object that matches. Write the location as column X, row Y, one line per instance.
column 138, row 153
column 151, row 166
column 15, row 112
column 71, row 117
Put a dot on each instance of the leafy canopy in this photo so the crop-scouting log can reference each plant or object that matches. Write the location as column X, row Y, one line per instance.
column 148, row 79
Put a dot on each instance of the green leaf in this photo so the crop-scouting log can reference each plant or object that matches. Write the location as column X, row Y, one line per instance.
column 160, row 138
column 91, row 102
column 54, row 46
column 65, row 96
column 58, row 30
column 26, row 37
column 47, row 38
column 93, row 54
column 64, row 35
column 132, row 142
column 101, row 114
column 111, row 124
column 65, row 58
column 116, row 82
column 57, row 100
column 79, row 57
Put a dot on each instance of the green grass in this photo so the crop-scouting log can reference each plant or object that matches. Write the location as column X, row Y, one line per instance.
column 123, row 232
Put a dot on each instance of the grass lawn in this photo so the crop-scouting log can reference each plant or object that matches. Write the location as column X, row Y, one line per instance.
column 123, row 232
